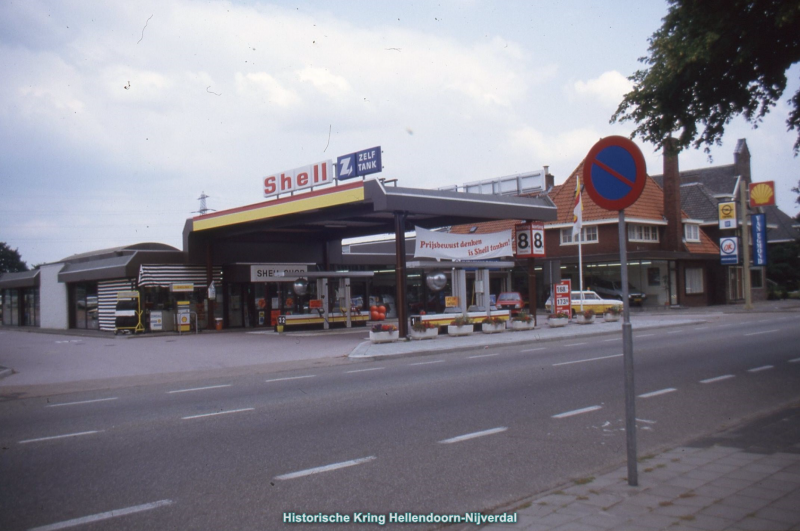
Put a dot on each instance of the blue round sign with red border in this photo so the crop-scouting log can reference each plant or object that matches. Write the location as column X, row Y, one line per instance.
column 614, row 173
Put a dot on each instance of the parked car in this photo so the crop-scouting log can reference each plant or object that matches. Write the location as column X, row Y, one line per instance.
column 612, row 289
column 591, row 301
column 510, row 300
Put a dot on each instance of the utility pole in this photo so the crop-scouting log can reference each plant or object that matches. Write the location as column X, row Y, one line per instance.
column 748, row 299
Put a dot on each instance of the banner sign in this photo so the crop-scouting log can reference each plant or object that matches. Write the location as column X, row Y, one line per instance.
column 759, row 225
column 359, row 164
column 729, row 251
column 530, row 240
column 299, row 178
column 432, row 244
column 267, row 272
column 727, row 215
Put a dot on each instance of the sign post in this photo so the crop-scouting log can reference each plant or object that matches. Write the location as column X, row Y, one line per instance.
column 614, row 174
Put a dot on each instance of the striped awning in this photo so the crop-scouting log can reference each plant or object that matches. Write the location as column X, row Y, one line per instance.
column 165, row 275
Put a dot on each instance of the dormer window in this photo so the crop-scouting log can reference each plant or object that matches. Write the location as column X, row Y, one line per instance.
column 691, row 232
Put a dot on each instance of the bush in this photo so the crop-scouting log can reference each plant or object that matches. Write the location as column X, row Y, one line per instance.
column 492, row 320
column 461, row 320
column 384, row 328
column 421, row 326
column 559, row 315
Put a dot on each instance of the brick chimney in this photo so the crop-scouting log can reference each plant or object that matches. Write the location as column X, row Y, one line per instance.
column 741, row 160
column 673, row 233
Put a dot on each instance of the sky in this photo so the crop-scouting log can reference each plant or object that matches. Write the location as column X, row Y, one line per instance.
column 116, row 116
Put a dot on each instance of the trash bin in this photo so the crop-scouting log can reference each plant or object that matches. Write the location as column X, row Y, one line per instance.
column 218, row 322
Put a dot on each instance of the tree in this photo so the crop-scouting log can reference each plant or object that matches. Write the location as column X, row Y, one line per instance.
column 10, row 260
column 710, row 61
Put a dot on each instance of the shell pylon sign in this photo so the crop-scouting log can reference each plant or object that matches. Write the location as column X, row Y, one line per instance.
column 762, row 194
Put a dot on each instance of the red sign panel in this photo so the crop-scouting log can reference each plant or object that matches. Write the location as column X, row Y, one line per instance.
column 530, row 240
column 563, row 297
column 762, row 194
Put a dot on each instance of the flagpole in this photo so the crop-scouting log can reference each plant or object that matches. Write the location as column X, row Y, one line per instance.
column 580, row 264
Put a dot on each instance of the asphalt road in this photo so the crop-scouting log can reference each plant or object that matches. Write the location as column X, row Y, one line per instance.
column 447, row 433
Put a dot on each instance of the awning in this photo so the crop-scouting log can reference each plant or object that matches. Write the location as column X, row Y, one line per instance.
column 165, row 275
column 22, row 279
column 102, row 269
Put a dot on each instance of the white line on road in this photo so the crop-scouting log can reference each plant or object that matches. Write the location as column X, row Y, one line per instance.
column 584, row 361
column 717, row 379
column 675, row 332
column 764, row 332
column 796, row 360
column 701, row 328
column 643, row 335
column 81, row 402
column 365, row 370
column 575, row 344
column 198, row 389
column 657, row 393
column 326, row 468
column 576, row 412
column 532, row 349
column 426, row 362
column 103, row 516
column 59, row 436
column 218, row 413
column 292, row 378
column 612, row 339
column 483, row 356
column 762, row 368
column 473, row 435
column 646, row 421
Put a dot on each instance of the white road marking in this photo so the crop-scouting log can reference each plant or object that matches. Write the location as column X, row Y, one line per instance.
column 575, row 344
column 532, row 349
column 658, row 393
column 326, row 468
column 717, row 379
column 764, row 332
column 796, row 360
column 675, row 332
column 365, row 370
column 483, row 356
column 584, row 361
column 701, row 328
column 292, row 378
column 198, row 389
column 576, row 412
column 473, row 435
column 426, row 362
column 643, row 335
column 81, row 402
column 218, row 413
column 59, row 436
column 762, row 368
column 103, row 516
column 612, row 339
column 646, row 421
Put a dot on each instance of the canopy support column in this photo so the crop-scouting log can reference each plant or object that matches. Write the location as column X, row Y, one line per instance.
column 400, row 272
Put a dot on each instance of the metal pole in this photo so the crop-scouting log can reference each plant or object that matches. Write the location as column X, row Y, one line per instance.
column 748, row 298
column 400, row 272
column 627, row 356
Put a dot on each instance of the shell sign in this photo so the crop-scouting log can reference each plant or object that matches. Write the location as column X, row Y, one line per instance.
column 762, row 194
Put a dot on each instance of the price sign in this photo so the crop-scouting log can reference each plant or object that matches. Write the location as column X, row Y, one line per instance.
column 563, row 297
column 530, row 240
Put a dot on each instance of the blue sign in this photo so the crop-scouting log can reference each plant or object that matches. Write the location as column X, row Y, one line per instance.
column 758, row 224
column 359, row 164
column 614, row 173
column 729, row 251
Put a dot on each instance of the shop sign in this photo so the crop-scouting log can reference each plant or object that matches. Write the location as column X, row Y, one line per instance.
column 359, row 164
column 564, row 297
column 462, row 246
column 276, row 272
column 762, row 194
column 530, row 240
column 315, row 304
column 299, row 178
column 729, row 251
column 759, row 225
column 727, row 215
column 181, row 288
column 451, row 302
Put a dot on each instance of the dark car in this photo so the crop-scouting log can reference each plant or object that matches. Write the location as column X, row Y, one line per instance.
column 612, row 289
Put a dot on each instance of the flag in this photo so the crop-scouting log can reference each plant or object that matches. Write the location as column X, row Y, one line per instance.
column 577, row 213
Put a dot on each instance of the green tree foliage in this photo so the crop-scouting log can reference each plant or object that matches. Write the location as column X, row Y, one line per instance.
column 710, row 61
column 784, row 265
column 10, row 260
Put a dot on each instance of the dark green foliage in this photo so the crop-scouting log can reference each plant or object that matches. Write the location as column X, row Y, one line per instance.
column 711, row 61
column 10, row 260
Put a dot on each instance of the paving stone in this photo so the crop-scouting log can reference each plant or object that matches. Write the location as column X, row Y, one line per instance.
column 603, row 500
column 757, row 524
column 780, row 515
column 577, row 509
column 748, row 475
column 788, row 477
column 720, row 467
column 714, row 491
column 759, row 491
column 776, row 484
column 603, row 521
column 536, row 510
column 676, row 510
column 790, row 502
column 766, row 468
column 726, row 511
column 576, row 526
column 647, row 500
column 656, row 521
column 746, row 502
column 668, row 491
column 707, row 523
column 557, row 500
column 628, row 510
column 731, row 483
column 695, row 501
column 555, row 519
column 687, row 483
column 704, row 474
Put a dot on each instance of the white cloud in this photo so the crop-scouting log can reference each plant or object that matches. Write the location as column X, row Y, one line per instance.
column 608, row 89
column 324, row 81
column 263, row 87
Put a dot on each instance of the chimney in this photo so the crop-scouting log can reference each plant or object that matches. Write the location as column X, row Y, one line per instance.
column 549, row 179
column 673, row 234
column 741, row 160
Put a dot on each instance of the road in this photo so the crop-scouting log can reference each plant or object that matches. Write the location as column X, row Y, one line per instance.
column 447, row 433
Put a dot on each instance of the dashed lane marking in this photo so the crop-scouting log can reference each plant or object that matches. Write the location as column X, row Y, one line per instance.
column 326, row 468
column 762, row 332
column 59, row 436
column 473, row 435
column 717, row 379
column 482, row 356
column 426, row 362
column 365, row 370
column 584, row 361
column 198, row 389
column 762, row 368
column 218, row 413
column 103, row 516
column 82, row 402
column 658, row 393
column 577, row 412
column 291, row 378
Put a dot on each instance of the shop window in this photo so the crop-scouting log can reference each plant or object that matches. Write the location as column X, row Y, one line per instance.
column 642, row 233
column 691, row 233
column 757, row 278
column 588, row 235
column 694, row 280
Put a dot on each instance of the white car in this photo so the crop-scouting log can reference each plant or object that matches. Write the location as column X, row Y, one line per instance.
column 591, row 301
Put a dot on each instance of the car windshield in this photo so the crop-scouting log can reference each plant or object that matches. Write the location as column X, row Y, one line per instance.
column 509, row 297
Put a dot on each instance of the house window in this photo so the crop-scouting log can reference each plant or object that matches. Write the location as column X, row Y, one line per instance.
column 757, row 278
column 588, row 235
column 694, row 280
column 642, row 233
column 691, row 233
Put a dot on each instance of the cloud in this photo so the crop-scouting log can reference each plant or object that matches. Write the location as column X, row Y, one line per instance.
column 608, row 89
column 262, row 87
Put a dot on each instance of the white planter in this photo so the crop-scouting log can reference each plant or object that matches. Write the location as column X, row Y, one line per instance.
column 607, row 317
column 463, row 330
column 522, row 325
column 428, row 333
column 558, row 322
column 580, row 319
column 489, row 328
column 384, row 337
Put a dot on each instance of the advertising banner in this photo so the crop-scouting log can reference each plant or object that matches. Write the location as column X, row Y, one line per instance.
column 758, row 223
column 432, row 244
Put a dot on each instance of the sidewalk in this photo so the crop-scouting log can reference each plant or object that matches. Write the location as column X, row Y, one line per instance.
column 747, row 478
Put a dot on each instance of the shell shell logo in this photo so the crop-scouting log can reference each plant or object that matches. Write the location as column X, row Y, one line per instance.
column 762, row 194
